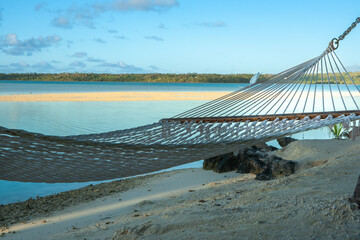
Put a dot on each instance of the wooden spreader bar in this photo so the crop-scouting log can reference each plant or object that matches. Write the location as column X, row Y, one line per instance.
column 253, row 118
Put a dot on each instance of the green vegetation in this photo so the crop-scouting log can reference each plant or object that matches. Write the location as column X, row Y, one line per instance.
column 355, row 76
column 151, row 77
column 177, row 78
column 339, row 132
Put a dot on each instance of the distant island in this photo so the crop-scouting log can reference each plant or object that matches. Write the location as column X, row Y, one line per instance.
column 149, row 77
column 163, row 77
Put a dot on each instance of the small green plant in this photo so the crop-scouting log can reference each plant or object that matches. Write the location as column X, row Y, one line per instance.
column 339, row 132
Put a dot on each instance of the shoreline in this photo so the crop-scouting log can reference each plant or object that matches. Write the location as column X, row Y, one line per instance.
column 112, row 96
column 140, row 96
column 194, row 203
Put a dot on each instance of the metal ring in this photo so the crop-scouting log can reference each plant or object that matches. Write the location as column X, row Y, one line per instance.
column 334, row 44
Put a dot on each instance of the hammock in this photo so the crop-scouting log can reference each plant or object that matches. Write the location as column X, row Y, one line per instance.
column 289, row 102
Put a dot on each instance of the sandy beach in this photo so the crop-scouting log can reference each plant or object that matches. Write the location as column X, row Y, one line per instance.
column 112, row 96
column 141, row 96
column 198, row 204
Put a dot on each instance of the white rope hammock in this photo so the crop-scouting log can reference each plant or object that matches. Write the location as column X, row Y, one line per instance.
column 289, row 102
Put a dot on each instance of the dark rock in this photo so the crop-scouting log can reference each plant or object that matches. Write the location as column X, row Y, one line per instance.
column 222, row 163
column 250, row 161
column 272, row 148
column 284, row 141
column 276, row 168
column 355, row 198
column 265, row 147
column 254, row 160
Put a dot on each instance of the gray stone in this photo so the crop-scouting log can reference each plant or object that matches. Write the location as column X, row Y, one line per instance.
column 284, row 141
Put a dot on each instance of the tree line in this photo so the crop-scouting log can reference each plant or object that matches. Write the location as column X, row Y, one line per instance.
column 150, row 77
column 173, row 78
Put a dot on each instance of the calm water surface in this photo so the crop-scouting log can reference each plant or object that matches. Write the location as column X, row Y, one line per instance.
column 35, row 87
column 70, row 118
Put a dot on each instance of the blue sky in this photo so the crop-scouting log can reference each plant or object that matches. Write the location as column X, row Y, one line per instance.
column 172, row 36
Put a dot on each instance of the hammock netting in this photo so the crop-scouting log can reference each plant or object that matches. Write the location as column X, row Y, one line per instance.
column 317, row 93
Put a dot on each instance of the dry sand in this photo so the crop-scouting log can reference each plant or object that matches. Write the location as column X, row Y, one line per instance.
column 112, row 96
column 197, row 204
column 140, row 96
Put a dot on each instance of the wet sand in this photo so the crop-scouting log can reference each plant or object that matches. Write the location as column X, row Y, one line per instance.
column 112, row 96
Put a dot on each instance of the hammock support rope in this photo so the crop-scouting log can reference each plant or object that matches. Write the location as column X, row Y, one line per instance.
column 290, row 102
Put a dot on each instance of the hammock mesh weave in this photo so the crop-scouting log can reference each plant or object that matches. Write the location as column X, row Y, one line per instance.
column 317, row 93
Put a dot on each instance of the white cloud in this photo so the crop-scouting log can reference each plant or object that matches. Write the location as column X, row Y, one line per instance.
column 122, row 37
column 122, row 67
column 86, row 15
column 156, row 38
column 161, row 26
column 39, row 6
column 136, row 5
column 99, row 40
column 77, row 64
column 96, row 60
column 213, row 24
column 154, row 68
column 79, row 54
column 112, row 31
column 10, row 44
column 19, row 65
column 62, row 22
column 23, row 67
column 43, row 66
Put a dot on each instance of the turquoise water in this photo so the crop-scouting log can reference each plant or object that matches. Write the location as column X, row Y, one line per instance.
column 71, row 118
column 35, row 87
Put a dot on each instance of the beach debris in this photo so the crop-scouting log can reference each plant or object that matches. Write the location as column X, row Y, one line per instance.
column 123, row 231
column 214, row 183
column 144, row 203
column 284, row 141
column 355, row 198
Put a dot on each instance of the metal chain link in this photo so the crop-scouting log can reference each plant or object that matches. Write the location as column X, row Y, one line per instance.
column 353, row 25
column 334, row 43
